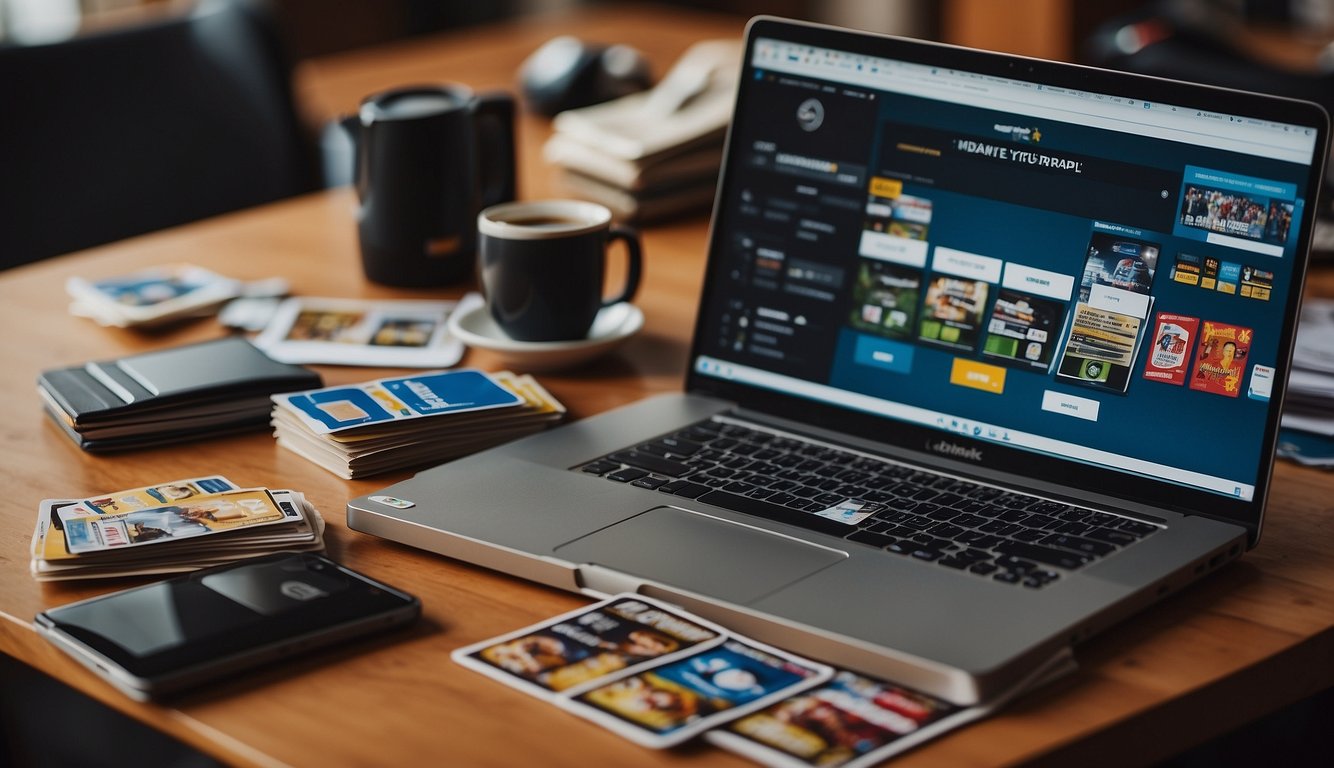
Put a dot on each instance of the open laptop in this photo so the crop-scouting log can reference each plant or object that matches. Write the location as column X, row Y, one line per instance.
column 990, row 354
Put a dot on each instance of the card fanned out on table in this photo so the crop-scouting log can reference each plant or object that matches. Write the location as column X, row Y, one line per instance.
column 660, row 676
column 399, row 333
column 151, row 297
column 361, row 429
column 173, row 395
column 182, row 525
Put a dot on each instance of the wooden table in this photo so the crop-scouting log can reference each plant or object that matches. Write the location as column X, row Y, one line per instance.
column 1249, row 640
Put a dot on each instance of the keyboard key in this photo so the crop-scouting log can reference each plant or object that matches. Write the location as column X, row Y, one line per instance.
column 599, row 467
column 945, row 530
column 684, row 488
column 978, row 539
column 1057, row 557
column 738, row 487
column 924, row 553
column 651, row 463
column 626, row 475
column 983, row 568
column 1079, row 544
column 765, row 509
column 1078, row 529
column 760, row 493
column 1029, row 534
column 999, row 528
column 874, row 539
column 1137, row 528
column 1011, row 563
column 651, row 482
column 954, row 562
column 1118, row 537
column 1007, row 577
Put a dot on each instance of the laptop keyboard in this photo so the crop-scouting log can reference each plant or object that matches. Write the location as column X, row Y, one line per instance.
column 1008, row 537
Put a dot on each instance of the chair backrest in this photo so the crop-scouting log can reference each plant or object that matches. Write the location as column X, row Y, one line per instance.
column 115, row 134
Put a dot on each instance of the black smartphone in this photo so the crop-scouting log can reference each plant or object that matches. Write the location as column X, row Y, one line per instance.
column 162, row 638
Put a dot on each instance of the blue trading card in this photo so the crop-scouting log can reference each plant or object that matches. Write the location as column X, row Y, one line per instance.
column 408, row 397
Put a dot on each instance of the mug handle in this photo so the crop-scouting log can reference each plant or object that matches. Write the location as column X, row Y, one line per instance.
column 634, row 262
column 494, row 121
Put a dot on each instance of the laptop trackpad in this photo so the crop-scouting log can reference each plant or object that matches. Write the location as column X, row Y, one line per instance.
column 702, row 554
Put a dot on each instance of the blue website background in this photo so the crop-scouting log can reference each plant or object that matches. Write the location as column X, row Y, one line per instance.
column 1160, row 422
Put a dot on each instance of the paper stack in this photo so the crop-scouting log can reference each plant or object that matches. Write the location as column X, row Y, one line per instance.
column 178, row 526
column 1307, row 436
column 362, row 429
column 657, row 152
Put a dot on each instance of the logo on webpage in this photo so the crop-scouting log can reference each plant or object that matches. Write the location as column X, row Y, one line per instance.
column 810, row 114
column 1018, row 133
column 954, row 450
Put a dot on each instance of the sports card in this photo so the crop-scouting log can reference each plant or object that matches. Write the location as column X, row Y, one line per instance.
column 383, row 401
column 399, row 333
column 150, row 295
column 157, row 495
column 845, row 722
column 202, row 516
column 1220, row 360
column 678, row 700
column 1173, row 337
column 579, row 649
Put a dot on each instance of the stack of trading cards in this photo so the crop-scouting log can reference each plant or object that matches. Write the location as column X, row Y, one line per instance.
column 396, row 334
column 151, row 297
column 386, row 424
column 178, row 526
column 660, row 676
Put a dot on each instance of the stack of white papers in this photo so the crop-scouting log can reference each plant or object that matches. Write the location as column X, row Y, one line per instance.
column 182, row 525
column 657, row 152
column 387, row 424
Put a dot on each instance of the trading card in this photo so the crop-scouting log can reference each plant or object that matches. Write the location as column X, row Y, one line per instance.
column 400, row 333
column 151, row 295
column 333, row 409
column 845, row 722
column 201, row 516
column 580, row 649
column 675, row 701
column 157, row 495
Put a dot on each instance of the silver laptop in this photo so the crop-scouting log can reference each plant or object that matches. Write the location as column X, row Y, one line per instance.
column 990, row 355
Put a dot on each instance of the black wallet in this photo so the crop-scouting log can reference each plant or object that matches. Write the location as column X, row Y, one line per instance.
column 172, row 395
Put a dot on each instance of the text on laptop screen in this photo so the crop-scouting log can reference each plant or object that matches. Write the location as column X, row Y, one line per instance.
column 1045, row 268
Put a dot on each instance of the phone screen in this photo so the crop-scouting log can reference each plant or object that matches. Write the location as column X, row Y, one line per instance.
column 236, row 612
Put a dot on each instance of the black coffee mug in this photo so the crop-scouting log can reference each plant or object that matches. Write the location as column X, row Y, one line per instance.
column 428, row 158
column 542, row 265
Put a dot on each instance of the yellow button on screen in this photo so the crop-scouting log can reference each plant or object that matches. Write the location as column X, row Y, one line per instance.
column 882, row 187
column 969, row 373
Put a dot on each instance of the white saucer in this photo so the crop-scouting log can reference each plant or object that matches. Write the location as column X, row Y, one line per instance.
column 613, row 325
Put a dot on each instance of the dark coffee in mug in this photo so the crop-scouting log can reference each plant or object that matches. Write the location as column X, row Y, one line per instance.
column 542, row 265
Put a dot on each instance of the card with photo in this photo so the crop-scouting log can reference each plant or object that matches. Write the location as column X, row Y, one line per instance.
column 1173, row 337
column 952, row 313
column 675, row 701
column 157, row 495
column 1023, row 330
column 582, row 648
column 845, row 723
column 885, row 297
column 202, row 516
column 398, row 333
column 1220, row 360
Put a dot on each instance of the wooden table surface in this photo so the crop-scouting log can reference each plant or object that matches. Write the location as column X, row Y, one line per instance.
column 1253, row 637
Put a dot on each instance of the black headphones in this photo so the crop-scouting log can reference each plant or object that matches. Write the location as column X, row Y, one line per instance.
column 567, row 73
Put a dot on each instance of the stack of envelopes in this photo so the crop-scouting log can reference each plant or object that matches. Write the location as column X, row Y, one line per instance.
column 182, row 525
column 387, row 424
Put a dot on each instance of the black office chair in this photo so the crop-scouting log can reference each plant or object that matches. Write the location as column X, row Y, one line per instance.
column 114, row 134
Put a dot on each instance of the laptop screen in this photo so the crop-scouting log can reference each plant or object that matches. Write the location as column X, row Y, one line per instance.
column 1079, row 276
